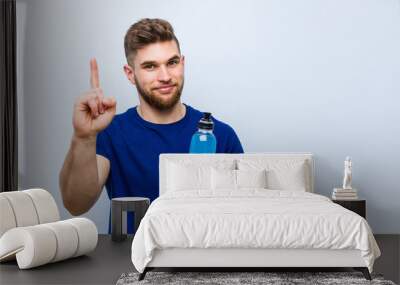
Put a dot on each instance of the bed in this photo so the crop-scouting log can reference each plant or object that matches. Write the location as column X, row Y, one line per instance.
column 244, row 211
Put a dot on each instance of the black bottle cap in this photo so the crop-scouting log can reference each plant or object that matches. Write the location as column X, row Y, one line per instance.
column 206, row 122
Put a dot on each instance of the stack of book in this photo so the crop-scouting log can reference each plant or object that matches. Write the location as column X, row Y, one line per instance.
column 344, row 194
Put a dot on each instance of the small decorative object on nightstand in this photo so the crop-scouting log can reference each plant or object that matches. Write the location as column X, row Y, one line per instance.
column 347, row 192
column 347, row 179
column 138, row 205
column 357, row 206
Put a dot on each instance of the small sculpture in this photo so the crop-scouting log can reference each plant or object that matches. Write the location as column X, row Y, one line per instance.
column 347, row 173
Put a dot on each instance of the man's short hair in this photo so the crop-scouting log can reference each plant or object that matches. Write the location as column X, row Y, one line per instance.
column 144, row 32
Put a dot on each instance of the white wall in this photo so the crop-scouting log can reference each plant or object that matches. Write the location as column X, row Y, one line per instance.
column 318, row 76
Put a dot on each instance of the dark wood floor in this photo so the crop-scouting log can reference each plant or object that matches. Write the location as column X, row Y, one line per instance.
column 389, row 262
column 104, row 266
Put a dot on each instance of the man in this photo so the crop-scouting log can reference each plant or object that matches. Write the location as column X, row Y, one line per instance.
column 122, row 152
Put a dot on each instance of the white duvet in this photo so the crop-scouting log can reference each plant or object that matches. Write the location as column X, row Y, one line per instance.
column 251, row 218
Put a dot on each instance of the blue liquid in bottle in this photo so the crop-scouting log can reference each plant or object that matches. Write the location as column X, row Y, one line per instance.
column 204, row 141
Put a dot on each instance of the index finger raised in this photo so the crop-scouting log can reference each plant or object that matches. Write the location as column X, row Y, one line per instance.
column 94, row 74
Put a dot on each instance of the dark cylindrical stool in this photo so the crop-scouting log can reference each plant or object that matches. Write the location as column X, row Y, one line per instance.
column 138, row 205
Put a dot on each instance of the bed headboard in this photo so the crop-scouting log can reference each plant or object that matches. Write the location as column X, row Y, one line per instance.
column 165, row 158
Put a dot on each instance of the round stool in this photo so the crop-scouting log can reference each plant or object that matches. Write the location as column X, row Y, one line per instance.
column 138, row 205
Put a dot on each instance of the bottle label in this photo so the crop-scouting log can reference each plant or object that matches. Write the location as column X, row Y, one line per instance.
column 203, row 138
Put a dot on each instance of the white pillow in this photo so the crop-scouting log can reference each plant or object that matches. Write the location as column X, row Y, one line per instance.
column 223, row 179
column 183, row 178
column 251, row 178
column 237, row 179
column 193, row 175
column 282, row 174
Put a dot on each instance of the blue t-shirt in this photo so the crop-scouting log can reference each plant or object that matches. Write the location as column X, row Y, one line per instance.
column 133, row 145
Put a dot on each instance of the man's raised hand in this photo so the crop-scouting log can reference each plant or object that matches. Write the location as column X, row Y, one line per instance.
column 92, row 111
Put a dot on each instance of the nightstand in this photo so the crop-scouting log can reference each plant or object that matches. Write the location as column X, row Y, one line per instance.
column 357, row 206
column 138, row 205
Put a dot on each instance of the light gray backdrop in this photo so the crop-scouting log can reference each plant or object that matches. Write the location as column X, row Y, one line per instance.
column 289, row 76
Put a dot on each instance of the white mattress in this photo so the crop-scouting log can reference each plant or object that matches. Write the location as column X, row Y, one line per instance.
column 251, row 218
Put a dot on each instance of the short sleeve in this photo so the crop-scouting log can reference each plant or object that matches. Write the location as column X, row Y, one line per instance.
column 103, row 148
column 234, row 145
column 103, row 144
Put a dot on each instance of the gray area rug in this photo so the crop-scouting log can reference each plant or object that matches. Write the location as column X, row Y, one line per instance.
column 228, row 278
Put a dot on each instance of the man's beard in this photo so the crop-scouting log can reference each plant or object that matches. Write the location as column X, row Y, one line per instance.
column 155, row 101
